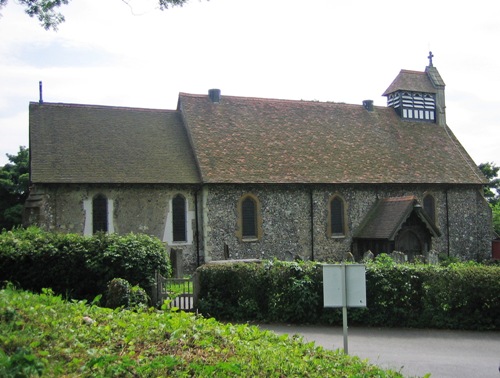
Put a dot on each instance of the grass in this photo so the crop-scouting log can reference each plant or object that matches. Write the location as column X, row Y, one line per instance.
column 43, row 335
column 176, row 287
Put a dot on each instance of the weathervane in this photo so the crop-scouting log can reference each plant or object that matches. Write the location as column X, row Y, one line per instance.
column 430, row 58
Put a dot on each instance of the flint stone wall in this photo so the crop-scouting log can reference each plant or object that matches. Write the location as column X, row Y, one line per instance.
column 288, row 233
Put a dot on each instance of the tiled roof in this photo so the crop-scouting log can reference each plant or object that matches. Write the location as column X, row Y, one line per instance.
column 387, row 217
column 256, row 140
column 102, row 144
column 411, row 81
column 434, row 76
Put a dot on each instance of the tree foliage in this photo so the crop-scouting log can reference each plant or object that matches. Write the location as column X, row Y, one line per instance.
column 492, row 190
column 496, row 217
column 47, row 11
column 14, row 182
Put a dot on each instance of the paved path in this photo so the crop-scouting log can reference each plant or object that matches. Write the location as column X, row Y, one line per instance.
column 413, row 352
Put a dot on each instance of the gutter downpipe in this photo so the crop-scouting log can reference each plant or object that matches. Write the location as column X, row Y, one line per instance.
column 197, row 233
column 447, row 223
column 312, row 222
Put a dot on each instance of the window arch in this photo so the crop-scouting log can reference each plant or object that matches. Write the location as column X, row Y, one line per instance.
column 179, row 218
column 430, row 206
column 249, row 218
column 336, row 217
column 99, row 214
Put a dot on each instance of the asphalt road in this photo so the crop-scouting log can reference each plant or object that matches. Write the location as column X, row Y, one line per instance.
column 412, row 352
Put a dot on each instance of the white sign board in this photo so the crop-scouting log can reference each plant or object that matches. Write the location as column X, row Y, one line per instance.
column 334, row 289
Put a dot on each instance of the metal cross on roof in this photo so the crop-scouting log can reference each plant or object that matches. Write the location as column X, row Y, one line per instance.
column 430, row 58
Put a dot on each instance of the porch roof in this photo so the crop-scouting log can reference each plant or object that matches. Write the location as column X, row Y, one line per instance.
column 388, row 215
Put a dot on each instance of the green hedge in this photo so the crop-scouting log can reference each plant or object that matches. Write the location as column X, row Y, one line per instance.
column 457, row 296
column 76, row 266
column 270, row 291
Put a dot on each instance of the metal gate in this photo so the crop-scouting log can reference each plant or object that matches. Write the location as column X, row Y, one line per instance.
column 180, row 292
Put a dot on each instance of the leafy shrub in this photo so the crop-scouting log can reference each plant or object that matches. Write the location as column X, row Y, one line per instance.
column 121, row 294
column 77, row 266
column 296, row 291
column 50, row 336
column 22, row 363
column 232, row 291
column 274, row 290
column 456, row 296
column 463, row 296
column 394, row 294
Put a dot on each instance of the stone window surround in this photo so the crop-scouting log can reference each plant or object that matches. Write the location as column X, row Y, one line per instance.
column 87, row 208
column 239, row 211
column 190, row 218
column 182, row 217
column 434, row 202
column 330, row 234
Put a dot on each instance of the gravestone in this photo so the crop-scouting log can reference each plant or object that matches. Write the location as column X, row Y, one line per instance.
column 399, row 257
column 368, row 256
column 419, row 259
column 349, row 257
column 433, row 257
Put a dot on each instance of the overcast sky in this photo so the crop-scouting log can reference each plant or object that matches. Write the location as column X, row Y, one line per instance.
column 108, row 53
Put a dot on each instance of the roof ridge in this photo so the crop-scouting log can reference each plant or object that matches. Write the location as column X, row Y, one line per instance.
column 413, row 72
column 399, row 199
column 74, row 105
column 277, row 100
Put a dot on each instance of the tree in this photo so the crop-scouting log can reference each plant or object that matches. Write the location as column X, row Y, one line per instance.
column 47, row 10
column 492, row 190
column 496, row 217
column 14, row 182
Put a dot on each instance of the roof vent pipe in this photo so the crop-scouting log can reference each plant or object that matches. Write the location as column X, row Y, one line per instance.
column 214, row 95
column 40, row 92
column 368, row 105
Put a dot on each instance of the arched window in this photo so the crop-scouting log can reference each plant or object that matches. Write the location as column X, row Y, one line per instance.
column 337, row 225
column 249, row 221
column 249, row 218
column 179, row 218
column 99, row 214
column 430, row 207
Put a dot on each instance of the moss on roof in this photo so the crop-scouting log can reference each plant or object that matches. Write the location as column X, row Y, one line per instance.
column 103, row 144
column 256, row 140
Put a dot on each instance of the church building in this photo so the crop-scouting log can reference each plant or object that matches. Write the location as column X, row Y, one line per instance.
column 227, row 177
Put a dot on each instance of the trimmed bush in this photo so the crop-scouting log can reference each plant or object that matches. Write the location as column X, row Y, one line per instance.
column 232, row 291
column 273, row 290
column 76, row 266
column 122, row 294
column 456, row 296
column 463, row 296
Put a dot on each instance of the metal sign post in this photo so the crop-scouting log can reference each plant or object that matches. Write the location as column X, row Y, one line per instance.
column 344, row 286
column 344, row 307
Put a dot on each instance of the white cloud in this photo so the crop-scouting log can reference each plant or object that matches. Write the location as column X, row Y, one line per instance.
column 320, row 50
